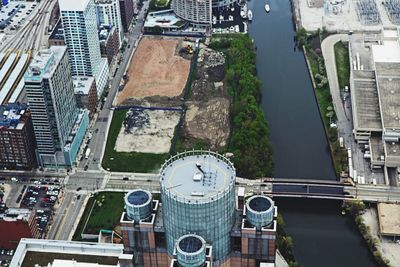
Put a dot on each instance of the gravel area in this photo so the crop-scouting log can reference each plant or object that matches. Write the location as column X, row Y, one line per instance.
column 390, row 249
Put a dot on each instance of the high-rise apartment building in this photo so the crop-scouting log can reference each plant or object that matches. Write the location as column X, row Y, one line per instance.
column 81, row 37
column 51, row 98
column 127, row 9
column 108, row 13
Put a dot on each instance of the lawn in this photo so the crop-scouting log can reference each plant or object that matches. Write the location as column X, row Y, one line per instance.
column 162, row 3
column 106, row 212
column 342, row 64
column 127, row 161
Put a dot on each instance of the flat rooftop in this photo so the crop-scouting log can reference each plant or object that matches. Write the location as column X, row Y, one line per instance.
column 388, row 75
column 366, row 102
column 44, row 63
column 389, row 51
column 197, row 177
column 11, row 116
column 163, row 19
column 389, row 219
column 82, row 84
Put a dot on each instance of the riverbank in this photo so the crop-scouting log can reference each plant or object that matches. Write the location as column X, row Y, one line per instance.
column 356, row 209
column 315, row 62
column 249, row 141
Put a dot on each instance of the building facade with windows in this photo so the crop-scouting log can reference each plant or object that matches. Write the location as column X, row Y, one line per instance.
column 17, row 140
column 81, row 37
column 109, row 14
column 127, row 9
column 50, row 93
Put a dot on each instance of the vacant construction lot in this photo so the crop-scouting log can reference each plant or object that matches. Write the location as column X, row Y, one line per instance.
column 147, row 131
column 156, row 69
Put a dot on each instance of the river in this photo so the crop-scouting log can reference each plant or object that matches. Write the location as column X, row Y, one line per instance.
column 322, row 236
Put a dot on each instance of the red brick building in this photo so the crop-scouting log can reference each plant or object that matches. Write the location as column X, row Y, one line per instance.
column 85, row 93
column 17, row 139
column 16, row 224
column 109, row 43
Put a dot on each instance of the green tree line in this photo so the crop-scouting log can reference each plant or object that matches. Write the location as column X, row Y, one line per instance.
column 249, row 140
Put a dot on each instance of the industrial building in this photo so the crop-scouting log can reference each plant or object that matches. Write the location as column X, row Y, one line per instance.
column 17, row 140
column 55, row 114
column 12, row 69
column 109, row 14
column 197, row 222
column 375, row 92
column 58, row 253
column 82, row 41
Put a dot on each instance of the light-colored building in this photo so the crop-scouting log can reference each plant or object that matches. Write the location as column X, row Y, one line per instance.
column 81, row 37
column 196, row 12
column 69, row 253
column 109, row 13
column 375, row 94
column 50, row 93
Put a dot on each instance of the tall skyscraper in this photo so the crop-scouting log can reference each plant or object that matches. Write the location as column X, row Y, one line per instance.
column 108, row 13
column 50, row 93
column 81, row 37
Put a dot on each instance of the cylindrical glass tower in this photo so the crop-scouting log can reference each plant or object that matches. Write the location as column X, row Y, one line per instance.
column 260, row 211
column 138, row 204
column 191, row 251
column 198, row 197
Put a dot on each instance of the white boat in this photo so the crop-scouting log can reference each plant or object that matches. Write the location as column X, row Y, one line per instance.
column 267, row 8
column 249, row 15
column 231, row 29
column 237, row 29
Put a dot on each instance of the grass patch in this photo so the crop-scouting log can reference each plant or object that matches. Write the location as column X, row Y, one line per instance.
column 106, row 212
column 82, row 221
column 161, row 3
column 44, row 258
column 342, row 64
column 127, row 161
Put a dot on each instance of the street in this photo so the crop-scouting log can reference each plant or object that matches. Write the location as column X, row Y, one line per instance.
column 100, row 128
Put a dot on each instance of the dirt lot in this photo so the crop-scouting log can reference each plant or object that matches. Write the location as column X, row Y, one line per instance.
column 156, row 69
column 147, row 131
column 208, row 105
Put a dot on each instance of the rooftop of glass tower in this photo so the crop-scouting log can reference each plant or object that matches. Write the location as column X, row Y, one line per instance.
column 197, row 175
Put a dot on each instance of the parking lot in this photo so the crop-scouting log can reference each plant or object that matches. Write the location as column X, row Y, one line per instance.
column 42, row 199
column 13, row 15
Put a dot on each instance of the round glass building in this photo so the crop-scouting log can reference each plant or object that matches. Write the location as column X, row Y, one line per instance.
column 191, row 251
column 198, row 197
column 260, row 211
column 138, row 204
